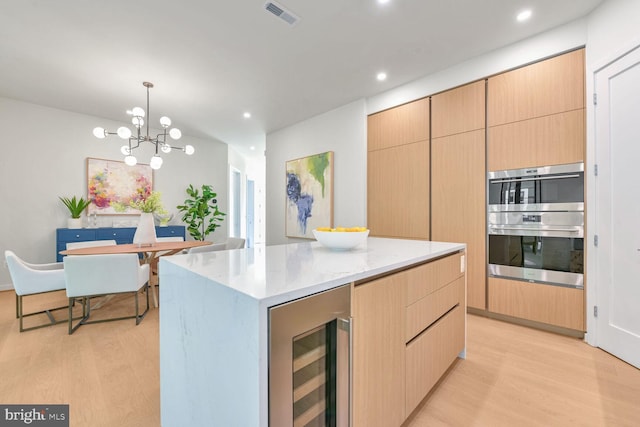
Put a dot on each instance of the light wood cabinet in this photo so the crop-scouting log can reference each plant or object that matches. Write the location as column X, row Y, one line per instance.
column 408, row 328
column 430, row 355
column 398, row 191
column 458, row 173
column 548, row 140
column 552, row 86
column 554, row 305
column 400, row 125
column 378, row 352
column 458, row 110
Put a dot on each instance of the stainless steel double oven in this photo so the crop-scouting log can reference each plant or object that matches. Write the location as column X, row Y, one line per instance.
column 536, row 224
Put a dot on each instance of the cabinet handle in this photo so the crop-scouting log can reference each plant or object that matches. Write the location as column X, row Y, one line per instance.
column 77, row 236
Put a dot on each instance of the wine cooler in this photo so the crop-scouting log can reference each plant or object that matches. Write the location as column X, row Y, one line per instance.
column 309, row 361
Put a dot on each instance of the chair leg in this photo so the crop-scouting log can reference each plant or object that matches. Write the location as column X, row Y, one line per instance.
column 138, row 316
column 21, row 315
column 86, row 310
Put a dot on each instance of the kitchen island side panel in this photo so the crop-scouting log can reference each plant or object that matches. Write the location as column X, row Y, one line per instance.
column 210, row 358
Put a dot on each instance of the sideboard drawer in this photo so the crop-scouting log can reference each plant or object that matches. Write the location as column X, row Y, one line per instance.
column 120, row 235
column 76, row 235
column 170, row 231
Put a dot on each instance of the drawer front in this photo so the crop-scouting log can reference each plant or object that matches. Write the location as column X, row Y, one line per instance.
column 120, row 235
column 424, row 312
column 426, row 279
column 170, row 231
column 65, row 235
column 431, row 354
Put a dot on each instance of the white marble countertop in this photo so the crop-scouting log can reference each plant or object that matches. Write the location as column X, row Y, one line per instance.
column 280, row 273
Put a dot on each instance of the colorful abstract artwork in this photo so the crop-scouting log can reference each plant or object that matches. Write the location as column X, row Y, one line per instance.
column 112, row 186
column 309, row 205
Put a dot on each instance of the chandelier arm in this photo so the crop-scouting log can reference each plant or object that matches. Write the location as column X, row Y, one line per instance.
column 131, row 147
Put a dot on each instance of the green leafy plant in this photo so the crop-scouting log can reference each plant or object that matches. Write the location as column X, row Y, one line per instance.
column 151, row 204
column 201, row 213
column 75, row 205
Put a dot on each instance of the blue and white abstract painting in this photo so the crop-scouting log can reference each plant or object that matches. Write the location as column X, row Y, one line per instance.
column 309, row 192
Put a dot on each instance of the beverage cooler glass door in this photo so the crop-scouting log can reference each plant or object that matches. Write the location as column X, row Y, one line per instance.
column 309, row 361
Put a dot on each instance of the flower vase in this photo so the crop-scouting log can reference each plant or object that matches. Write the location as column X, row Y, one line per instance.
column 146, row 230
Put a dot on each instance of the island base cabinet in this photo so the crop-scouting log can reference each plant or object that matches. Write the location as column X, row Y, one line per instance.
column 553, row 305
column 378, row 351
column 431, row 353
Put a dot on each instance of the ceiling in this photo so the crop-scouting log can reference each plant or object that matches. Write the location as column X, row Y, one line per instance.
column 213, row 60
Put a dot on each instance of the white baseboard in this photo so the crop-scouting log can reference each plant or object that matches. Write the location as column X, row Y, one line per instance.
column 7, row 287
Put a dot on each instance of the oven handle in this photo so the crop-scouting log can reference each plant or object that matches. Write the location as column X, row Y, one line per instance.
column 533, row 179
column 566, row 230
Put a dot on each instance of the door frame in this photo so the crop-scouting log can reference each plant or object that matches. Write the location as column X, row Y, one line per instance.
column 591, row 295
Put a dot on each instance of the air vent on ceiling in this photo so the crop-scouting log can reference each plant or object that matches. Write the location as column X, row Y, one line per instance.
column 279, row 11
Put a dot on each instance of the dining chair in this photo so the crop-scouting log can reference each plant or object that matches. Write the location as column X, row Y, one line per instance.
column 90, row 244
column 208, row 248
column 89, row 276
column 235, row 243
column 32, row 279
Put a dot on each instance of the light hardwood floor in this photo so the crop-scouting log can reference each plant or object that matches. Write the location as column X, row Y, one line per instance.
column 513, row 376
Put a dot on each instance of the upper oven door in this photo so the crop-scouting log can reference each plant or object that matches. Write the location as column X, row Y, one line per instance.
column 555, row 188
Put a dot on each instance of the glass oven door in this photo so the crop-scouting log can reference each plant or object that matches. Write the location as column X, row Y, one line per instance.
column 541, row 259
column 558, row 187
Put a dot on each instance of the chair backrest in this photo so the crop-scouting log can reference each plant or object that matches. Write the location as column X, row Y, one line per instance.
column 208, row 248
column 235, row 243
column 90, row 244
column 34, row 278
column 170, row 239
column 103, row 274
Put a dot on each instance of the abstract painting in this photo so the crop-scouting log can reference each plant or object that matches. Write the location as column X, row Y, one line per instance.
column 309, row 188
column 113, row 185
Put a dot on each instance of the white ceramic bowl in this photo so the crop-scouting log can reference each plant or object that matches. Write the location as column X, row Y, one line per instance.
column 341, row 240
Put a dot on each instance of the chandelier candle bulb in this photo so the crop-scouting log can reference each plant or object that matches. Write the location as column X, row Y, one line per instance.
column 160, row 141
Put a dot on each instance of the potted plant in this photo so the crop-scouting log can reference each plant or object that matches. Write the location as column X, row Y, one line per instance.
column 146, row 231
column 76, row 206
column 201, row 213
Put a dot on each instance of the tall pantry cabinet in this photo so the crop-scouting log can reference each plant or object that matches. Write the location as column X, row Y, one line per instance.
column 398, row 171
column 458, row 195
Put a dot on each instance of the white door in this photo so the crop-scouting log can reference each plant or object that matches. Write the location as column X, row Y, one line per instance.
column 617, row 210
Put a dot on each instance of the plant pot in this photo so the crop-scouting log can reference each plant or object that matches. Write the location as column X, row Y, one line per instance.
column 146, row 230
column 74, row 223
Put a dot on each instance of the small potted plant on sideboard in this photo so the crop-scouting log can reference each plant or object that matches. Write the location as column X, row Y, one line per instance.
column 76, row 206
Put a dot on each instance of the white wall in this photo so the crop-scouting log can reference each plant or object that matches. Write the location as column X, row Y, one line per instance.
column 342, row 131
column 44, row 153
column 613, row 29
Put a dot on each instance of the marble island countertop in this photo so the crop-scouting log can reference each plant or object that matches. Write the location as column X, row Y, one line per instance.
column 280, row 273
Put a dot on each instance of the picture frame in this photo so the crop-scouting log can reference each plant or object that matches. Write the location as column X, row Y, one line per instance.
column 309, row 194
column 112, row 185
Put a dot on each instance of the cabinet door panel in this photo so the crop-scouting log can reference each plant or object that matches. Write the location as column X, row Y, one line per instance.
column 458, row 199
column 554, row 305
column 431, row 354
column 379, row 352
column 547, row 87
column 549, row 140
column 398, row 191
column 458, row 110
column 400, row 125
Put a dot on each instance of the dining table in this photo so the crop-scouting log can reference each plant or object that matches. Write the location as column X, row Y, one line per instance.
column 150, row 254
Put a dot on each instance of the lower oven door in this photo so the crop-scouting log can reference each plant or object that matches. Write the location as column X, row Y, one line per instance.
column 543, row 248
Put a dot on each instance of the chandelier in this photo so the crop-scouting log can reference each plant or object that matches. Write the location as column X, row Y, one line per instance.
column 160, row 141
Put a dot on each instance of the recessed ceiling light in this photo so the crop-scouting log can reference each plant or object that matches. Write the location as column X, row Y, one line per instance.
column 252, row 148
column 247, row 115
column 381, row 77
column 524, row 15
column 383, row 1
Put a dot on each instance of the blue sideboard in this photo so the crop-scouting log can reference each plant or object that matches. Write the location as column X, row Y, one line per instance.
column 121, row 235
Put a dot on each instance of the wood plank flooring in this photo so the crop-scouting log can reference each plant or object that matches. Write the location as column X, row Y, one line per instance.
column 513, row 376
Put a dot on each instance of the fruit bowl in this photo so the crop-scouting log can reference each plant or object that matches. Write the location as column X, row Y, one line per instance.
column 341, row 240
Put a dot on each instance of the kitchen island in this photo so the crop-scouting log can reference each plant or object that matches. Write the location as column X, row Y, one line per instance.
column 214, row 335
